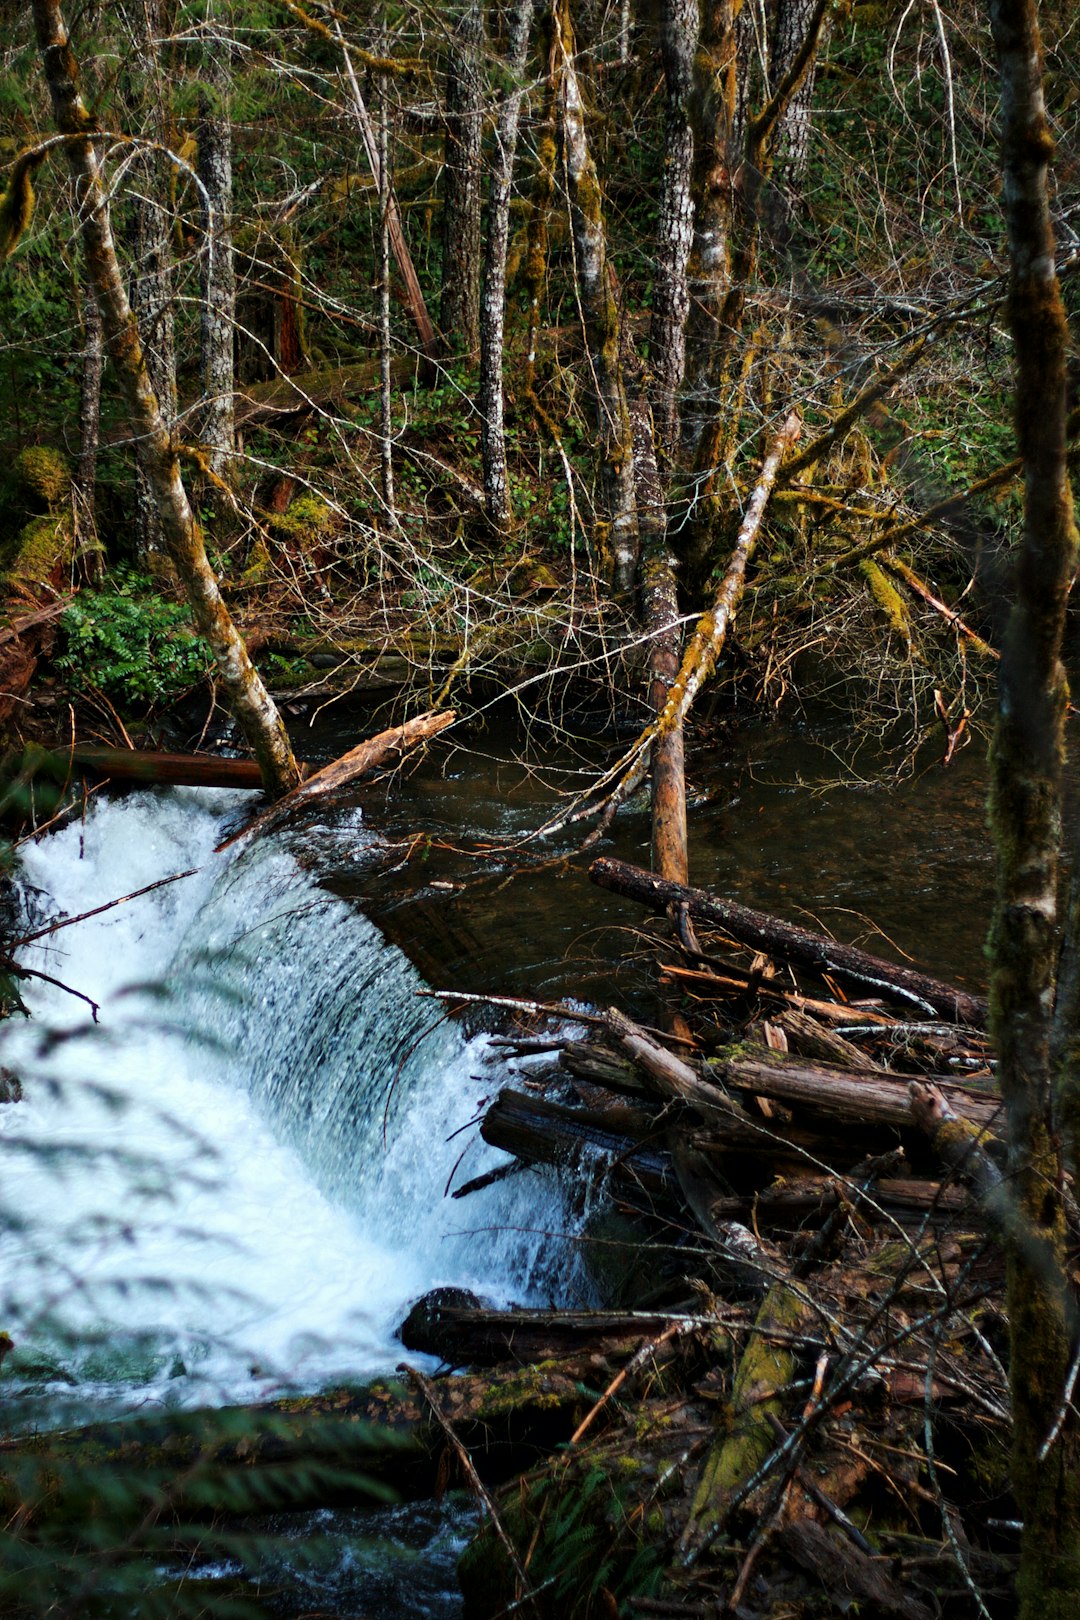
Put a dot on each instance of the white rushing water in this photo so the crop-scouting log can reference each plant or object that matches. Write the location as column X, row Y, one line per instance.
column 237, row 1176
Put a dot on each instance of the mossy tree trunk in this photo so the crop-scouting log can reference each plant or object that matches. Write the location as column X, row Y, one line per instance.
column 250, row 702
column 459, row 311
column 600, row 312
column 493, row 289
column 1026, row 789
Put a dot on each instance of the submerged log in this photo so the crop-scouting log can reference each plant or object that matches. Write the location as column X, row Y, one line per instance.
column 801, row 946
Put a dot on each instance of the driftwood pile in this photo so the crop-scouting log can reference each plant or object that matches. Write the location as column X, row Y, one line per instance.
column 801, row 1404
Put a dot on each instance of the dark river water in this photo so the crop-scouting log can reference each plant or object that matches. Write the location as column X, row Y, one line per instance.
column 774, row 822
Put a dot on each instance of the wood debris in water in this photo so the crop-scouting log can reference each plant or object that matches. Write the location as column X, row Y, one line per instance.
column 801, row 1403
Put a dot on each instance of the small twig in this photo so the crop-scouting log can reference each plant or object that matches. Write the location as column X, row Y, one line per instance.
column 69, row 922
column 475, row 1482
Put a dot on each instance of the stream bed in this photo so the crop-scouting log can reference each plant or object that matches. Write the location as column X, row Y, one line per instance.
column 234, row 1181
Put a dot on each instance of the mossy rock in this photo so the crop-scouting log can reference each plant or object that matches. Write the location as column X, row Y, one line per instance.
column 305, row 521
column 43, row 476
column 39, row 555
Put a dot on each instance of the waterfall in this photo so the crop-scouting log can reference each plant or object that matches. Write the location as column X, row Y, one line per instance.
column 236, row 1178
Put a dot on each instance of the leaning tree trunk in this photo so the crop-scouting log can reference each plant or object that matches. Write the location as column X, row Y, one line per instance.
column 1026, row 791
column 493, row 291
column 601, row 319
column 679, row 30
column 218, row 313
column 459, row 311
column 250, row 702
column 152, row 277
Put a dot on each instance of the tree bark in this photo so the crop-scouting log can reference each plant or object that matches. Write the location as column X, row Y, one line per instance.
column 600, row 312
column 460, row 309
column 218, row 313
column 493, row 290
column 255, row 712
column 712, row 107
column 151, row 281
column 679, row 29
column 1025, row 804
column 93, row 365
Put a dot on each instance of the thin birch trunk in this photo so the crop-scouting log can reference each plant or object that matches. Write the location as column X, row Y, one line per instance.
column 600, row 312
column 493, row 287
column 218, row 313
column 1025, row 805
column 252, row 706
column 679, row 29
column 459, row 311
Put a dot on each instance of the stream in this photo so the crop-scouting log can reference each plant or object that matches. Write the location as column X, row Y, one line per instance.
column 233, row 1183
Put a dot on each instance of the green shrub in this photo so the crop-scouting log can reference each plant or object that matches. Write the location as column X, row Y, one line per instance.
column 131, row 644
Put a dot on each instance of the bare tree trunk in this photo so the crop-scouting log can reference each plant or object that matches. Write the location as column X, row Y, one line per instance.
column 1026, row 790
column 252, row 706
column 601, row 320
column 386, row 395
column 93, row 364
column 151, row 282
column 712, row 106
column 459, row 312
column 679, row 31
column 218, row 314
column 493, row 291
column 662, row 624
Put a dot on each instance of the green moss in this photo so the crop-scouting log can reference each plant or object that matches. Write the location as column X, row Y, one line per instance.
column 43, row 475
column 306, row 520
column 40, row 553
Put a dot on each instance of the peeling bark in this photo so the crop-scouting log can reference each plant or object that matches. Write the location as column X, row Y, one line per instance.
column 250, row 702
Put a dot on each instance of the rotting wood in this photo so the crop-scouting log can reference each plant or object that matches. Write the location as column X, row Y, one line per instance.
column 760, row 932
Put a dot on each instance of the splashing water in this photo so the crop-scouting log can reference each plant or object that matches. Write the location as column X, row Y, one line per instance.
column 237, row 1177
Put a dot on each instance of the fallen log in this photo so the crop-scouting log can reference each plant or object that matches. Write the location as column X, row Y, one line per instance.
column 463, row 1332
column 367, row 756
column 540, row 1132
column 311, row 1450
column 801, row 946
column 868, row 1096
column 162, row 769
